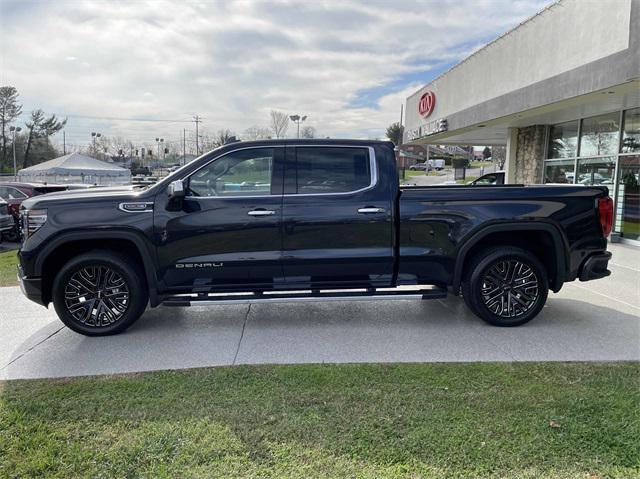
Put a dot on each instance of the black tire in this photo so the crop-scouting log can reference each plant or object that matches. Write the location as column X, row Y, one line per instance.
column 505, row 286
column 99, row 293
column 12, row 236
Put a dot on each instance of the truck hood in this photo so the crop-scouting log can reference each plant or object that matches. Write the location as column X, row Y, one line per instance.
column 83, row 195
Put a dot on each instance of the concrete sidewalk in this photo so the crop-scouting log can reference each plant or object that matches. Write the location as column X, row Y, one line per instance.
column 595, row 321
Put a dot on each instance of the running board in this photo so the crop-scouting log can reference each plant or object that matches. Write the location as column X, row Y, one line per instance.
column 304, row 296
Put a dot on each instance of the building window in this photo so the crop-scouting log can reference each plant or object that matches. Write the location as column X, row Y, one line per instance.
column 563, row 140
column 596, row 171
column 599, row 135
column 631, row 132
column 628, row 198
column 559, row 171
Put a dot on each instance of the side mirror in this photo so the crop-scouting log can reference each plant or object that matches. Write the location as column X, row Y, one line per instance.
column 176, row 189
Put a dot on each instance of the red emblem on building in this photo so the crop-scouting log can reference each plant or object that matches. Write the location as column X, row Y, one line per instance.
column 427, row 103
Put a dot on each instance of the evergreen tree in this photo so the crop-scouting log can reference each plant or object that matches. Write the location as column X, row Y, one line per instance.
column 9, row 111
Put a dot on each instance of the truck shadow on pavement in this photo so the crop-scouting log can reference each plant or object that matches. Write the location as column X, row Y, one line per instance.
column 349, row 332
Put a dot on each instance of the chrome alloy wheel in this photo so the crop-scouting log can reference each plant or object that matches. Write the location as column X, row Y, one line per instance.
column 96, row 296
column 509, row 288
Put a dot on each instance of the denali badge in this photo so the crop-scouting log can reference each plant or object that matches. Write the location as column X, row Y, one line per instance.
column 198, row 265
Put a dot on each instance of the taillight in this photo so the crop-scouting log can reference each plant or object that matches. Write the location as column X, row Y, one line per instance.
column 605, row 211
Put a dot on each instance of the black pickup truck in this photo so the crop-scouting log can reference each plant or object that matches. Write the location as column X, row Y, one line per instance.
column 306, row 220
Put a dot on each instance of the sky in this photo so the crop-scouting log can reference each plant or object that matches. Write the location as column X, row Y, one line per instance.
column 347, row 65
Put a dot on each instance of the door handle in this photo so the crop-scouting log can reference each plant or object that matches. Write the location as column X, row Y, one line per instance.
column 369, row 210
column 261, row 212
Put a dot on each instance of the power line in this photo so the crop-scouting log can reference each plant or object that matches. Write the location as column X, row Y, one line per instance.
column 115, row 118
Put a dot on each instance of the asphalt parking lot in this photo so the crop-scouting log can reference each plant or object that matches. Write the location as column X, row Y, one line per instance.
column 595, row 321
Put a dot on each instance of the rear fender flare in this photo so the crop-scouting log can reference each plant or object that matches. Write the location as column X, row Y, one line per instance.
column 559, row 241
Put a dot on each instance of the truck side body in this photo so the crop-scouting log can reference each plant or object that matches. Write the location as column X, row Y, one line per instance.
column 310, row 215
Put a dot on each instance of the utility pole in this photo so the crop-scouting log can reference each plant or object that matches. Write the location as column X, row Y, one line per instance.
column 197, row 119
column 15, row 130
column 95, row 136
column 184, row 146
column 402, row 158
column 64, row 143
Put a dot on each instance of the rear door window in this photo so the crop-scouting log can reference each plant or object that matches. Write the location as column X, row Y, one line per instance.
column 326, row 170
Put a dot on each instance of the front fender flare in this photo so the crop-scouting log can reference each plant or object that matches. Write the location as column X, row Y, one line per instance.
column 142, row 245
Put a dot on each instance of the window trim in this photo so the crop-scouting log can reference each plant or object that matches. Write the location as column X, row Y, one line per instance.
column 373, row 167
column 373, row 171
column 219, row 158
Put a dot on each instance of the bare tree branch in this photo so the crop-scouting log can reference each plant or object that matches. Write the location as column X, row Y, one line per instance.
column 279, row 123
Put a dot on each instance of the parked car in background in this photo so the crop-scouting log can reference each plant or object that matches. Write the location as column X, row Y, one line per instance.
column 424, row 166
column 6, row 219
column 496, row 178
column 14, row 193
column 437, row 164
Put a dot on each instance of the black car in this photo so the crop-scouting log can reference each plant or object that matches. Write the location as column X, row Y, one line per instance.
column 307, row 220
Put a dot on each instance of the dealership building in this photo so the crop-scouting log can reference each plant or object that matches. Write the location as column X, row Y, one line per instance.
column 561, row 91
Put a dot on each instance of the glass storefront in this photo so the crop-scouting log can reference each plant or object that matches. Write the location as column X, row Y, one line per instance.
column 559, row 171
column 601, row 150
column 563, row 140
column 631, row 132
column 627, row 221
column 596, row 171
column 599, row 135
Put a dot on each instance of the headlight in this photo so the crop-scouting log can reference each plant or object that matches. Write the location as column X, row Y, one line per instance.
column 32, row 221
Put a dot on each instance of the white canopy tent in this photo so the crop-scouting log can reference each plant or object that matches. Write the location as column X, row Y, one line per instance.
column 75, row 168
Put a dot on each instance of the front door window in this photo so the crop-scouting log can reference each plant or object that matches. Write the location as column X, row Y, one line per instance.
column 241, row 173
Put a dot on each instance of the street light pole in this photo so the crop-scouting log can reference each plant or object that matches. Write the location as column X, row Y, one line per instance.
column 15, row 168
column 297, row 119
column 95, row 136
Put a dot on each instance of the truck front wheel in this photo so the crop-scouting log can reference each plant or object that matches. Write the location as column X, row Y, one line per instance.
column 505, row 286
column 99, row 293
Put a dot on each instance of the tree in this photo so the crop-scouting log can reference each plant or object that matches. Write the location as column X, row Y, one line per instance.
column 308, row 132
column 395, row 132
column 499, row 155
column 117, row 144
column 40, row 128
column 9, row 111
column 486, row 153
column 279, row 123
column 257, row 133
column 222, row 137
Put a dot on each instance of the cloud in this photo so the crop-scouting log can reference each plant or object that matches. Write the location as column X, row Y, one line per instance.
column 348, row 65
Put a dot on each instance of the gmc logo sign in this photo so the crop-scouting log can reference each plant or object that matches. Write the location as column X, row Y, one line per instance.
column 427, row 103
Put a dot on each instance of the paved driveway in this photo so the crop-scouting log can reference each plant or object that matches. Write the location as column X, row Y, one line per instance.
column 596, row 321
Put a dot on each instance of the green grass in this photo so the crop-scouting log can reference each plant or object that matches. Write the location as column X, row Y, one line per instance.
column 479, row 164
column 409, row 173
column 536, row 420
column 8, row 268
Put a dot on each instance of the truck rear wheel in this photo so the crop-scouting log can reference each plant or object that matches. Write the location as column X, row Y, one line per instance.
column 506, row 286
column 99, row 293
